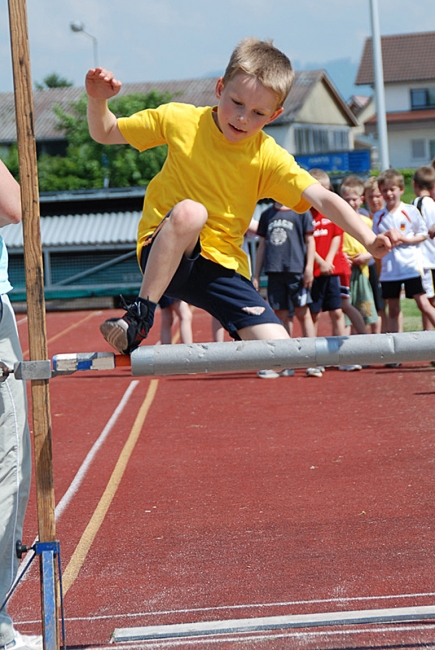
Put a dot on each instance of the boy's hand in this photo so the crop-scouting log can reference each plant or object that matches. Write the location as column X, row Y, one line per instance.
column 395, row 236
column 308, row 278
column 326, row 268
column 381, row 245
column 101, row 84
column 432, row 232
column 361, row 258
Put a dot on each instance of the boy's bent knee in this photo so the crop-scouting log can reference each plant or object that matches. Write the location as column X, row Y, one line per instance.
column 189, row 215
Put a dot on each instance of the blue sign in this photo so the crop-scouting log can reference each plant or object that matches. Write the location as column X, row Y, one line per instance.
column 357, row 161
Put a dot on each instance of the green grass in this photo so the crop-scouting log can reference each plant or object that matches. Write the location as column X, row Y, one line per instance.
column 407, row 174
column 411, row 316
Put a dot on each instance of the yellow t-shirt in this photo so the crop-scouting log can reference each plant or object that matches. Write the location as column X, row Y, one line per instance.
column 352, row 247
column 227, row 178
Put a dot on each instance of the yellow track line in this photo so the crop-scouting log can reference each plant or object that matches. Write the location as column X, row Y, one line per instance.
column 85, row 543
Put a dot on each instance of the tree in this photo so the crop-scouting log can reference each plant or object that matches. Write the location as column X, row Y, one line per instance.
column 88, row 164
column 53, row 80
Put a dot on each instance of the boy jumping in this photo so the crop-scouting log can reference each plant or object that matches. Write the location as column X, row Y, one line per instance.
column 196, row 210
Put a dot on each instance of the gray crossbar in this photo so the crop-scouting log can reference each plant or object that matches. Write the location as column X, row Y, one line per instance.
column 284, row 353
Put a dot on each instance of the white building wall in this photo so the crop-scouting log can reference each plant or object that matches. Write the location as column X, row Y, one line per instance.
column 402, row 152
column 282, row 134
column 398, row 96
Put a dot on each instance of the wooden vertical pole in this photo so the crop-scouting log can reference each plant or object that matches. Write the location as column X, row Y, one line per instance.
column 34, row 269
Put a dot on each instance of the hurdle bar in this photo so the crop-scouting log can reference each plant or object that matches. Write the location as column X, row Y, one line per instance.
column 236, row 356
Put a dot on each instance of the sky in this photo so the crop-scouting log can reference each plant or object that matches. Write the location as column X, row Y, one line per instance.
column 160, row 40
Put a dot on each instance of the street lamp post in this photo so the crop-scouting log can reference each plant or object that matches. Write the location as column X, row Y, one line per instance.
column 79, row 27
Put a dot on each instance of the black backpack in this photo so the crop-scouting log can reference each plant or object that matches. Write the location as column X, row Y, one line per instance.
column 419, row 204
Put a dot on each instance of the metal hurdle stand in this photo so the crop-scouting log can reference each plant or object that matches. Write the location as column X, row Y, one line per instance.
column 47, row 551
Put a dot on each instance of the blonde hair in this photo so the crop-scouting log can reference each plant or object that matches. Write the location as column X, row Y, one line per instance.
column 321, row 176
column 352, row 183
column 371, row 184
column 424, row 177
column 261, row 59
column 393, row 177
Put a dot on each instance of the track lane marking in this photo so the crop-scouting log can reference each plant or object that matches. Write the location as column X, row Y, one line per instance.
column 76, row 562
column 80, row 475
column 84, row 467
column 69, row 329
column 304, row 635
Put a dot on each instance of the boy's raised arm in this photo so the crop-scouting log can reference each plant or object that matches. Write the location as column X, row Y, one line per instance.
column 335, row 208
column 103, row 124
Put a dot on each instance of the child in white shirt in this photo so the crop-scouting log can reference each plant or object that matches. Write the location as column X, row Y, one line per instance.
column 403, row 265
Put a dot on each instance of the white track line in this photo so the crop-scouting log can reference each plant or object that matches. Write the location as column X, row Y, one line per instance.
column 290, row 603
column 308, row 635
column 78, row 479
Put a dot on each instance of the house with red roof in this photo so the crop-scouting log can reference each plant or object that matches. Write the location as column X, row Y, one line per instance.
column 409, row 80
column 315, row 120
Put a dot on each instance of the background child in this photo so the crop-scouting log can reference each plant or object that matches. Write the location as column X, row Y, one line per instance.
column 424, row 183
column 286, row 251
column 329, row 265
column 374, row 202
column 373, row 198
column 402, row 265
column 361, row 294
column 170, row 309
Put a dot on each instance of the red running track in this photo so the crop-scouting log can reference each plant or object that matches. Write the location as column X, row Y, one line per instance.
column 228, row 496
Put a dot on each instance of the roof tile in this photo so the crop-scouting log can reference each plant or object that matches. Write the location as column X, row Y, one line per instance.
column 405, row 57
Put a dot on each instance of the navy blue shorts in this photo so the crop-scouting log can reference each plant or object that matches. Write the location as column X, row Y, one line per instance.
column 325, row 293
column 165, row 301
column 376, row 287
column 392, row 289
column 224, row 293
column 285, row 291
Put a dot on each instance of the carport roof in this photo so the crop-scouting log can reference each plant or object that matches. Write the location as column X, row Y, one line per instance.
column 115, row 228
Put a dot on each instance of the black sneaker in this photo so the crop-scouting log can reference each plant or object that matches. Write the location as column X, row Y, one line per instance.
column 127, row 333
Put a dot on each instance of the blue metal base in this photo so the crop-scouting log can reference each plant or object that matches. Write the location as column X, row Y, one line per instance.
column 48, row 552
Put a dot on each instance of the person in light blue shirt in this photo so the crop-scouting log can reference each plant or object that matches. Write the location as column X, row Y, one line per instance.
column 15, row 451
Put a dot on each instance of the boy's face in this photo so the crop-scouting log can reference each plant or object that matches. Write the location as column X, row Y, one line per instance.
column 374, row 200
column 392, row 195
column 353, row 197
column 245, row 107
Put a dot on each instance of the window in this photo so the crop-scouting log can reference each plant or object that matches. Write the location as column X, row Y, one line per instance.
column 320, row 140
column 423, row 98
column 341, row 140
column 431, row 149
column 311, row 139
column 418, row 149
column 302, row 139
